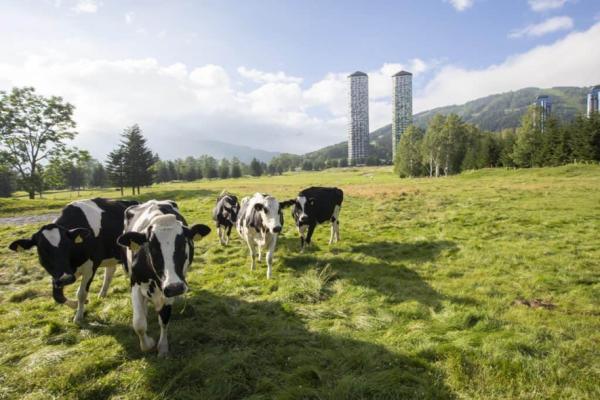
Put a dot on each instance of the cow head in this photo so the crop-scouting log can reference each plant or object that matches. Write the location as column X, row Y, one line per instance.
column 169, row 246
column 231, row 208
column 60, row 252
column 269, row 211
column 303, row 209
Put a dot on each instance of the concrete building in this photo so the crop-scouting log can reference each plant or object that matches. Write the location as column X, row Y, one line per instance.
column 543, row 104
column 593, row 106
column 358, row 121
column 402, row 107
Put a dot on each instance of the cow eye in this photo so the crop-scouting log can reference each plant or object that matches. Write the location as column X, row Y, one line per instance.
column 266, row 210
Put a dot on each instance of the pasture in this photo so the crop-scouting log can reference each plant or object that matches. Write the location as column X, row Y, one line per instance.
column 483, row 285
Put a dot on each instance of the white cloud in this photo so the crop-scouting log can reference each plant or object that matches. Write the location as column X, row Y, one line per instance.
column 550, row 25
column 571, row 61
column 267, row 77
column 545, row 5
column 129, row 17
column 461, row 5
column 86, row 6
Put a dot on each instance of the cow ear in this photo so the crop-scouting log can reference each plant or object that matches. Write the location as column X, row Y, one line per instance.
column 22, row 245
column 287, row 203
column 197, row 231
column 258, row 206
column 77, row 235
column 133, row 240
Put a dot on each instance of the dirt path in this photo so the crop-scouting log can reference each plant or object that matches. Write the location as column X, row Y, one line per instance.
column 27, row 219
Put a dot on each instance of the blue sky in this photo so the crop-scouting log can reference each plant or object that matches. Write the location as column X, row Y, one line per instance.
column 271, row 74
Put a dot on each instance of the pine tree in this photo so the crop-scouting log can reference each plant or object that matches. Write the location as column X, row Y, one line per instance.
column 224, row 168
column 255, row 168
column 236, row 169
column 527, row 149
column 99, row 176
column 116, row 167
column 138, row 158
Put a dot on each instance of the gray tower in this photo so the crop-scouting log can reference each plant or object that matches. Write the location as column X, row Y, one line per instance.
column 358, row 123
column 402, row 112
column 543, row 105
column 593, row 105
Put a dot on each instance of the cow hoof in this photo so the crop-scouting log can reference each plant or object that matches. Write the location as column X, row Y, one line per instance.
column 78, row 320
column 71, row 304
column 148, row 345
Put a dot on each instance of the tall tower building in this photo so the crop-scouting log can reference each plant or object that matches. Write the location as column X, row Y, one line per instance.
column 402, row 113
column 543, row 105
column 593, row 106
column 358, row 123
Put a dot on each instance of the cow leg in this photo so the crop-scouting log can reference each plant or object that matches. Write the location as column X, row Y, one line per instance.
column 164, row 315
column 87, row 274
column 335, row 222
column 270, row 251
column 228, row 234
column 259, row 253
column 220, row 234
column 331, row 237
column 337, row 230
column 140, row 322
column 252, row 255
column 301, row 231
column 108, row 275
column 311, row 230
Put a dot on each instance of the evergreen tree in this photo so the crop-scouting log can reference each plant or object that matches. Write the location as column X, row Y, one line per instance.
column 236, row 169
column 255, row 168
column 527, row 148
column 116, row 167
column 138, row 159
column 224, row 168
column 99, row 176
column 7, row 181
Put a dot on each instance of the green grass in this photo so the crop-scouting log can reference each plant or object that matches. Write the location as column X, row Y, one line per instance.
column 416, row 301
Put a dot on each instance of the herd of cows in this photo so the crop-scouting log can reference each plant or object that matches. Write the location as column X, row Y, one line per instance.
column 155, row 245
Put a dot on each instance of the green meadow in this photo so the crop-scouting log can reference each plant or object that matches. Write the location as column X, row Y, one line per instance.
column 483, row 285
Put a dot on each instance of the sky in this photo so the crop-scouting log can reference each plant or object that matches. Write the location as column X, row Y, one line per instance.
column 272, row 74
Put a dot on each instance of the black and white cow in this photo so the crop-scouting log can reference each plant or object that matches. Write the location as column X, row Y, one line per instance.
column 81, row 239
column 160, row 249
column 314, row 206
column 225, row 215
column 259, row 223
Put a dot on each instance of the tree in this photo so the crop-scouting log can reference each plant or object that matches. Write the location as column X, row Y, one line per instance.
column 116, row 167
column 527, row 148
column 432, row 145
column 209, row 166
column 236, row 169
column 32, row 129
column 139, row 159
column 307, row 165
column 255, row 168
column 7, row 184
column 99, row 176
column 408, row 155
column 224, row 168
column 343, row 163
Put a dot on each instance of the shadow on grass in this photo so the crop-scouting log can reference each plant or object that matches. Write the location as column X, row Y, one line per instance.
column 225, row 348
column 421, row 251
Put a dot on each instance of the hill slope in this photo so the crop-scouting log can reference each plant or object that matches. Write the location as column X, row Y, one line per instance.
column 493, row 113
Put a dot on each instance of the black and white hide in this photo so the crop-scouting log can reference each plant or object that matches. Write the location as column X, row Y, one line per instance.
column 225, row 215
column 81, row 239
column 159, row 250
column 317, row 205
column 259, row 223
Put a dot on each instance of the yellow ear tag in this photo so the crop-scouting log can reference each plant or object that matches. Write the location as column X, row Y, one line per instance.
column 78, row 239
column 134, row 246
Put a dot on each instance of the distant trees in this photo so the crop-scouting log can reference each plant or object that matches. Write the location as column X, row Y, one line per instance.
column 449, row 146
column 33, row 128
column 255, row 168
column 7, row 181
column 236, row 169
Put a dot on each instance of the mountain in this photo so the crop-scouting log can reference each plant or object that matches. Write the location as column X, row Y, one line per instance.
column 214, row 148
column 492, row 113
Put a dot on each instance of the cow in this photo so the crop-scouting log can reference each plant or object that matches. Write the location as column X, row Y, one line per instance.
column 159, row 249
column 81, row 239
column 260, row 221
column 314, row 206
column 225, row 215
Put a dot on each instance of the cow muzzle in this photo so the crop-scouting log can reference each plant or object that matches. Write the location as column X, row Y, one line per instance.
column 174, row 289
column 277, row 229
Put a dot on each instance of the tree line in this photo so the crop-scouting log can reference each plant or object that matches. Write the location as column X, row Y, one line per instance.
column 449, row 146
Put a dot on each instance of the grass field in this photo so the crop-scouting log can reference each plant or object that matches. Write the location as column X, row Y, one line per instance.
column 428, row 295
